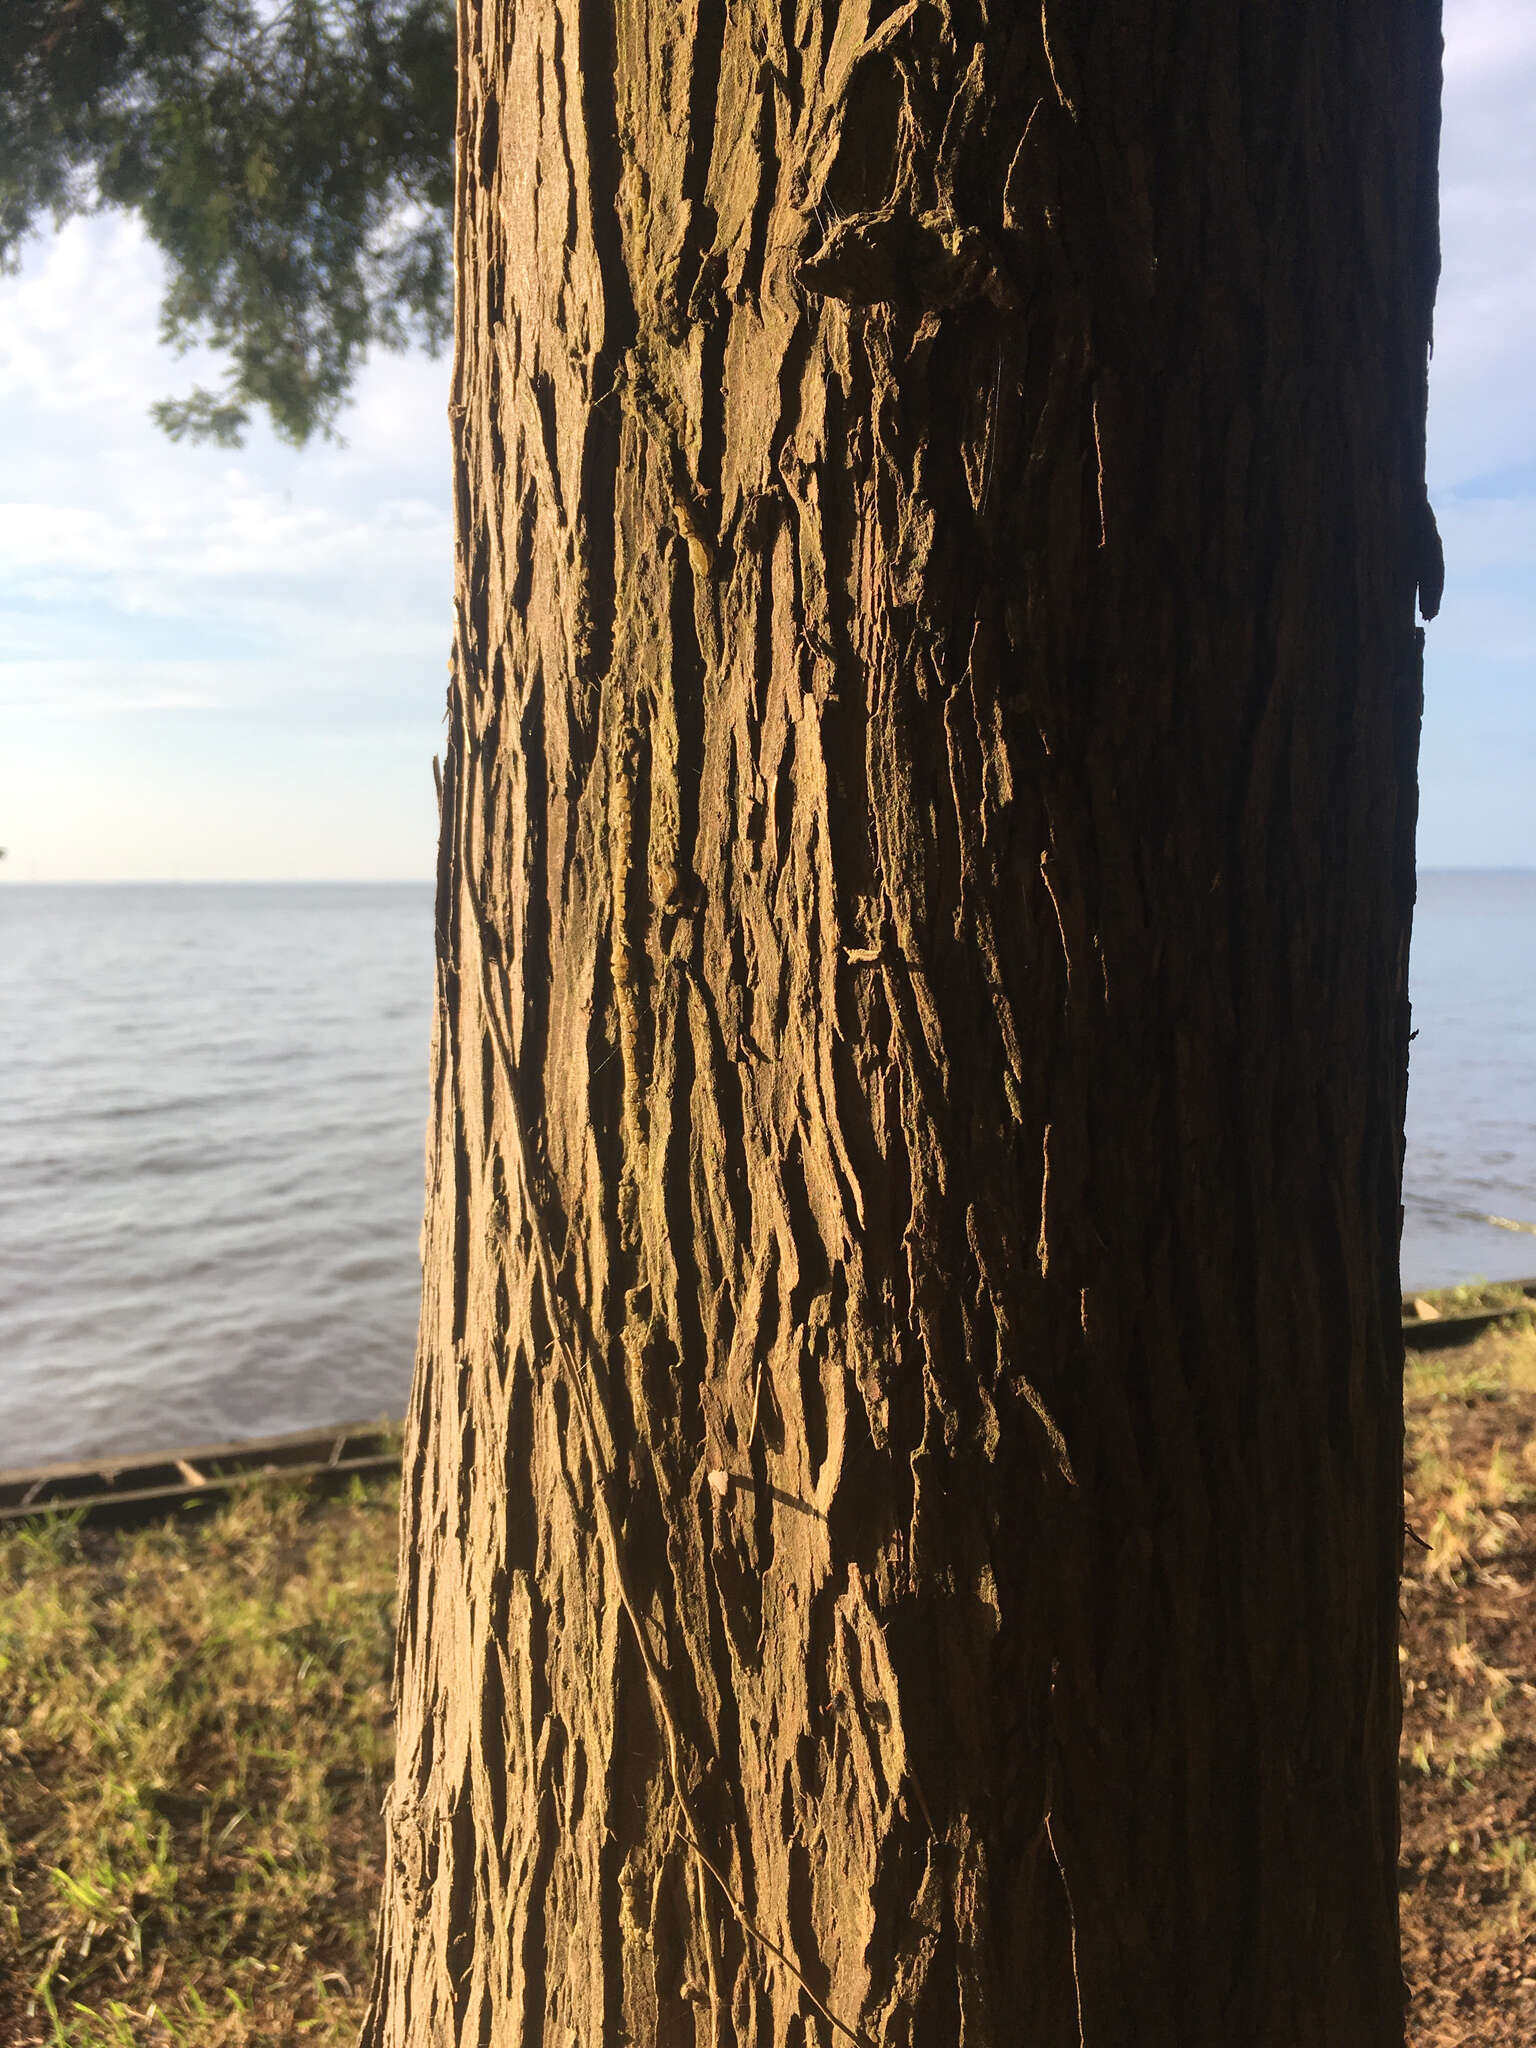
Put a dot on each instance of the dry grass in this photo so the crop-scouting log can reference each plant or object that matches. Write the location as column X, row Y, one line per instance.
column 196, row 1736
column 1469, row 1683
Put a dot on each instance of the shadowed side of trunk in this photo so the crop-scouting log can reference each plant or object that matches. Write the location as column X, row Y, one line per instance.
column 903, row 1495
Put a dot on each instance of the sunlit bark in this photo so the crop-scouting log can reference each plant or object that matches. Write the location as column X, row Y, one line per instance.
column 902, row 1496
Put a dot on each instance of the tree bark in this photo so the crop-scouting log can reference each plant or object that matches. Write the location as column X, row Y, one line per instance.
column 903, row 1499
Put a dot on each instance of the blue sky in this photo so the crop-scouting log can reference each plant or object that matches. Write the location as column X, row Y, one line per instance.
column 231, row 664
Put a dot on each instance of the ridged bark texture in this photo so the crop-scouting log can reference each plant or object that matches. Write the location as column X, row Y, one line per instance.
column 903, row 1489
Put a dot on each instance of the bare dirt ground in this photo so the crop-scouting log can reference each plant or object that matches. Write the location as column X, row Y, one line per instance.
column 1468, row 1874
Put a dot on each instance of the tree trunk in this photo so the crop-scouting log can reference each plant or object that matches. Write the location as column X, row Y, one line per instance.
column 903, row 1499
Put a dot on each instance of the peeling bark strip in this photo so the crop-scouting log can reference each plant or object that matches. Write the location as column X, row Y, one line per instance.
column 902, row 1499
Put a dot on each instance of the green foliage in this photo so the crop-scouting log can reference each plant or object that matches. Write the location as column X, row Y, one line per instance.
column 294, row 163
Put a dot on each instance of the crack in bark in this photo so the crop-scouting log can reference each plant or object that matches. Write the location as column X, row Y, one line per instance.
column 586, row 1391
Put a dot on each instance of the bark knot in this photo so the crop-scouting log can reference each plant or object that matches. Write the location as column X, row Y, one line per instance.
column 894, row 257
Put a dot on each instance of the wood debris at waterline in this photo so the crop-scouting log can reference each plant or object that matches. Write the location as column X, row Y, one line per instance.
column 143, row 1483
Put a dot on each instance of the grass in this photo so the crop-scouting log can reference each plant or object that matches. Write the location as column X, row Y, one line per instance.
column 1468, row 1761
column 195, row 1739
column 1469, row 1473
column 196, row 1736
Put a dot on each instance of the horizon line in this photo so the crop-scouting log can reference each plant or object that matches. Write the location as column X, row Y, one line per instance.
column 16, row 881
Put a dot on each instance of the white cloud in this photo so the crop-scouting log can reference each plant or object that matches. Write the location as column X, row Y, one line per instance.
column 1483, row 378
column 84, row 688
column 1487, row 39
column 242, row 606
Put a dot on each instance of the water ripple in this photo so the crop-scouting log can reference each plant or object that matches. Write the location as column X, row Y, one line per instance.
column 211, row 1139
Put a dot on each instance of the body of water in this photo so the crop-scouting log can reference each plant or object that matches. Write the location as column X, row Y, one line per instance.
column 1472, row 1080
column 212, row 1111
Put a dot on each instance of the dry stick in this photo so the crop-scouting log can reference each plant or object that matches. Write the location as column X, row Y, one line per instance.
column 571, row 1347
column 1077, row 1982
column 773, row 1947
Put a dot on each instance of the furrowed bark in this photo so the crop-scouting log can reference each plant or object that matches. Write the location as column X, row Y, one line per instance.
column 903, row 1497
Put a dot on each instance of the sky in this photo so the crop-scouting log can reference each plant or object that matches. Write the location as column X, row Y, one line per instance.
column 231, row 664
